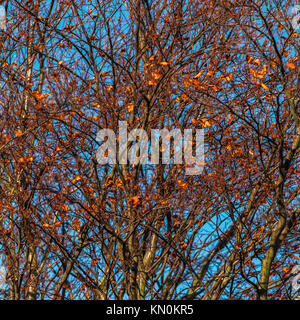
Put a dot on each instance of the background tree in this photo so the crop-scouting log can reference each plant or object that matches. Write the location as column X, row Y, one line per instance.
column 73, row 229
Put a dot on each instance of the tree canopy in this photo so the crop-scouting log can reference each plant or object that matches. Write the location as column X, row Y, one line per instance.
column 71, row 228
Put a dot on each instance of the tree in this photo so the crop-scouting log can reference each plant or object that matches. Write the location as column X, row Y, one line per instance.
column 71, row 228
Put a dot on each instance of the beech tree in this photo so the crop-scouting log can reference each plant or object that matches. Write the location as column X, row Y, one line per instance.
column 71, row 228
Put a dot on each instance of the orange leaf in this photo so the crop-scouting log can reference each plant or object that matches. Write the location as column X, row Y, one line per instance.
column 77, row 178
column 18, row 133
column 151, row 83
column 290, row 65
column 5, row 65
column 227, row 77
column 130, row 107
column 39, row 95
column 134, row 200
column 46, row 225
column 156, row 75
column 198, row 75
column 205, row 123
column 264, row 86
column 182, row 184
column 258, row 75
column 257, row 61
